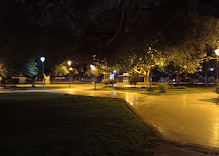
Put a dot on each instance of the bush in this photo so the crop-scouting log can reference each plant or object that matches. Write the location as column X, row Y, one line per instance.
column 112, row 82
column 15, row 81
column 106, row 82
column 6, row 80
column 217, row 90
column 163, row 87
column 133, row 80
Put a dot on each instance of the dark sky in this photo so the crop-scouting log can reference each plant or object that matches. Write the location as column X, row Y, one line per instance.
column 209, row 7
column 39, row 27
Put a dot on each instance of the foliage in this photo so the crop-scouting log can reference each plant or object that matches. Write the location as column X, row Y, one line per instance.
column 9, row 69
column 189, row 52
column 32, row 69
column 133, row 80
column 61, row 70
column 163, row 87
column 143, row 63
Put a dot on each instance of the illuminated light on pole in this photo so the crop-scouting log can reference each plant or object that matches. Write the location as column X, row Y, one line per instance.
column 43, row 59
column 217, row 52
column 93, row 68
column 69, row 63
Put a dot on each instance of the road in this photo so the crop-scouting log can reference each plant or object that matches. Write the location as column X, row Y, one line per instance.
column 180, row 118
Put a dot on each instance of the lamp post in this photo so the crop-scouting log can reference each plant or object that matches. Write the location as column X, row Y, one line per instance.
column 69, row 64
column 42, row 59
column 71, row 69
column 93, row 69
column 217, row 53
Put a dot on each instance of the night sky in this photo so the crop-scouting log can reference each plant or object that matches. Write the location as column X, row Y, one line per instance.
column 78, row 28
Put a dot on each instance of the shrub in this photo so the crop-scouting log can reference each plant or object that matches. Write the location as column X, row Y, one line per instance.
column 106, row 82
column 217, row 90
column 15, row 81
column 133, row 80
column 6, row 80
column 112, row 82
column 163, row 87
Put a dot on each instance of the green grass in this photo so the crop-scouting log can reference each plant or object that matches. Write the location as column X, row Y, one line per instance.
column 40, row 124
column 157, row 92
column 190, row 91
column 213, row 100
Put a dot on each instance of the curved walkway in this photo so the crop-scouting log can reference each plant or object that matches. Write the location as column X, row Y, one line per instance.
column 180, row 118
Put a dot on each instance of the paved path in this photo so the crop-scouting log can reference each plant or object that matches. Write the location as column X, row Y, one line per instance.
column 180, row 118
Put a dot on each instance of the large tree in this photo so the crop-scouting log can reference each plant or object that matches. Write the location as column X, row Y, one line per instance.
column 143, row 63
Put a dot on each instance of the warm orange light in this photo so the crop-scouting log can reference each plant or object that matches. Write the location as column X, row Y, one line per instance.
column 71, row 68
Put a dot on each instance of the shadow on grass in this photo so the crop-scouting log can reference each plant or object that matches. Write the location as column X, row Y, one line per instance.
column 56, row 124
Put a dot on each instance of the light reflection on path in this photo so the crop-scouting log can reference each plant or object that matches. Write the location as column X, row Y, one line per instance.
column 181, row 118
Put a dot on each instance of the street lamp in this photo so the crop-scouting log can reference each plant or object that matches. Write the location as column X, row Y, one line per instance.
column 217, row 53
column 69, row 63
column 43, row 59
column 93, row 68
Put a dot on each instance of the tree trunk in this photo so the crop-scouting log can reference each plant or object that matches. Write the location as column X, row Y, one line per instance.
column 206, row 79
column 192, row 79
column 177, row 76
column 168, row 80
column 33, row 82
column 146, row 78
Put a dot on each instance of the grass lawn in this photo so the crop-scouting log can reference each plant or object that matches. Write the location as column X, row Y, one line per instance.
column 173, row 91
column 213, row 100
column 190, row 91
column 39, row 124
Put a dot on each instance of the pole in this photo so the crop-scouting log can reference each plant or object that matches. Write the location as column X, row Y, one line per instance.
column 95, row 82
column 43, row 74
column 69, row 80
column 217, row 71
column 217, row 78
